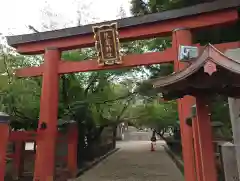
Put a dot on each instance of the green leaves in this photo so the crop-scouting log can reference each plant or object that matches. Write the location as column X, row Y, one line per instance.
column 156, row 115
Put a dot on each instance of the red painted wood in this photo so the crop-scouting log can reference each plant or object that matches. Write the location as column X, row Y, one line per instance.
column 4, row 130
column 23, row 136
column 205, row 140
column 129, row 61
column 198, row 163
column 184, row 37
column 92, row 65
column 32, row 153
column 72, row 149
column 45, row 156
column 19, row 138
column 30, row 136
column 10, row 155
column 224, row 46
column 29, row 71
column 19, row 158
column 163, row 28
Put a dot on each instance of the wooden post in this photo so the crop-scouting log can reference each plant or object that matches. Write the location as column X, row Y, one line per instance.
column 72, row 149
column 46, row 144
column 198, row 162
column 115, row 136
column 19, row 158
column 4, row 130
column 182, row 36
column 205, row 140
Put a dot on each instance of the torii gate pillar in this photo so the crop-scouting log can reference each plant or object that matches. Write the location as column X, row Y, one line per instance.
column 46, row 144
column 197, row 149
column 204, row 128
column 183, row 36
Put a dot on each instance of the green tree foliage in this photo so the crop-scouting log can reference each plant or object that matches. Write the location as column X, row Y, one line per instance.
column 94, row 99
column 212, row 35
column 220, row 113
column 19, row 98
column 93, row 91
column 154, row 114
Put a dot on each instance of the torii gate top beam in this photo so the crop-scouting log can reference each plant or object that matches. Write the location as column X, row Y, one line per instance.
column 157, row 24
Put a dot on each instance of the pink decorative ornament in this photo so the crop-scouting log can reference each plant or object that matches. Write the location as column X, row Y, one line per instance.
column 210, row 67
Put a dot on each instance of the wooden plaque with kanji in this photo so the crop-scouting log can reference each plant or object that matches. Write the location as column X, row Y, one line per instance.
column 107, row 44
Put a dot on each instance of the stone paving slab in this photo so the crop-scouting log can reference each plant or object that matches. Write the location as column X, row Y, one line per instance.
column 135, row 162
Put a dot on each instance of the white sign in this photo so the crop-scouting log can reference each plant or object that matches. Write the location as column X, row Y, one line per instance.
column 29, row 145
column 187, row 53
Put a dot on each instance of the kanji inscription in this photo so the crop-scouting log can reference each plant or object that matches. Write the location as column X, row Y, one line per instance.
column 107, row 44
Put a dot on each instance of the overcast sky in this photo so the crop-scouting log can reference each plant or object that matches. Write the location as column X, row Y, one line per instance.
column 16, row 15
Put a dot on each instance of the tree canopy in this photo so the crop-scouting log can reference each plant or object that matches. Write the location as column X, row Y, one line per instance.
column 219, row 104
column 96, row 99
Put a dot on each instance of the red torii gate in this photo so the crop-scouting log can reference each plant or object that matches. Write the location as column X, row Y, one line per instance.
column 179, row 23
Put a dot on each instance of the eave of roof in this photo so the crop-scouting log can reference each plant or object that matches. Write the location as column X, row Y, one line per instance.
column 126, row 22
column 209, row 53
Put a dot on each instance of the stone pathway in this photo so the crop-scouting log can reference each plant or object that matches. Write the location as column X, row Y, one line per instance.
column 135, row 162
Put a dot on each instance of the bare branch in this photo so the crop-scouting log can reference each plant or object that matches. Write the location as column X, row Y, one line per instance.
column 30, row 27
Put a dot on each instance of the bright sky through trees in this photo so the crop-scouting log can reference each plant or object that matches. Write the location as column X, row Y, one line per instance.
column 15, row 15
